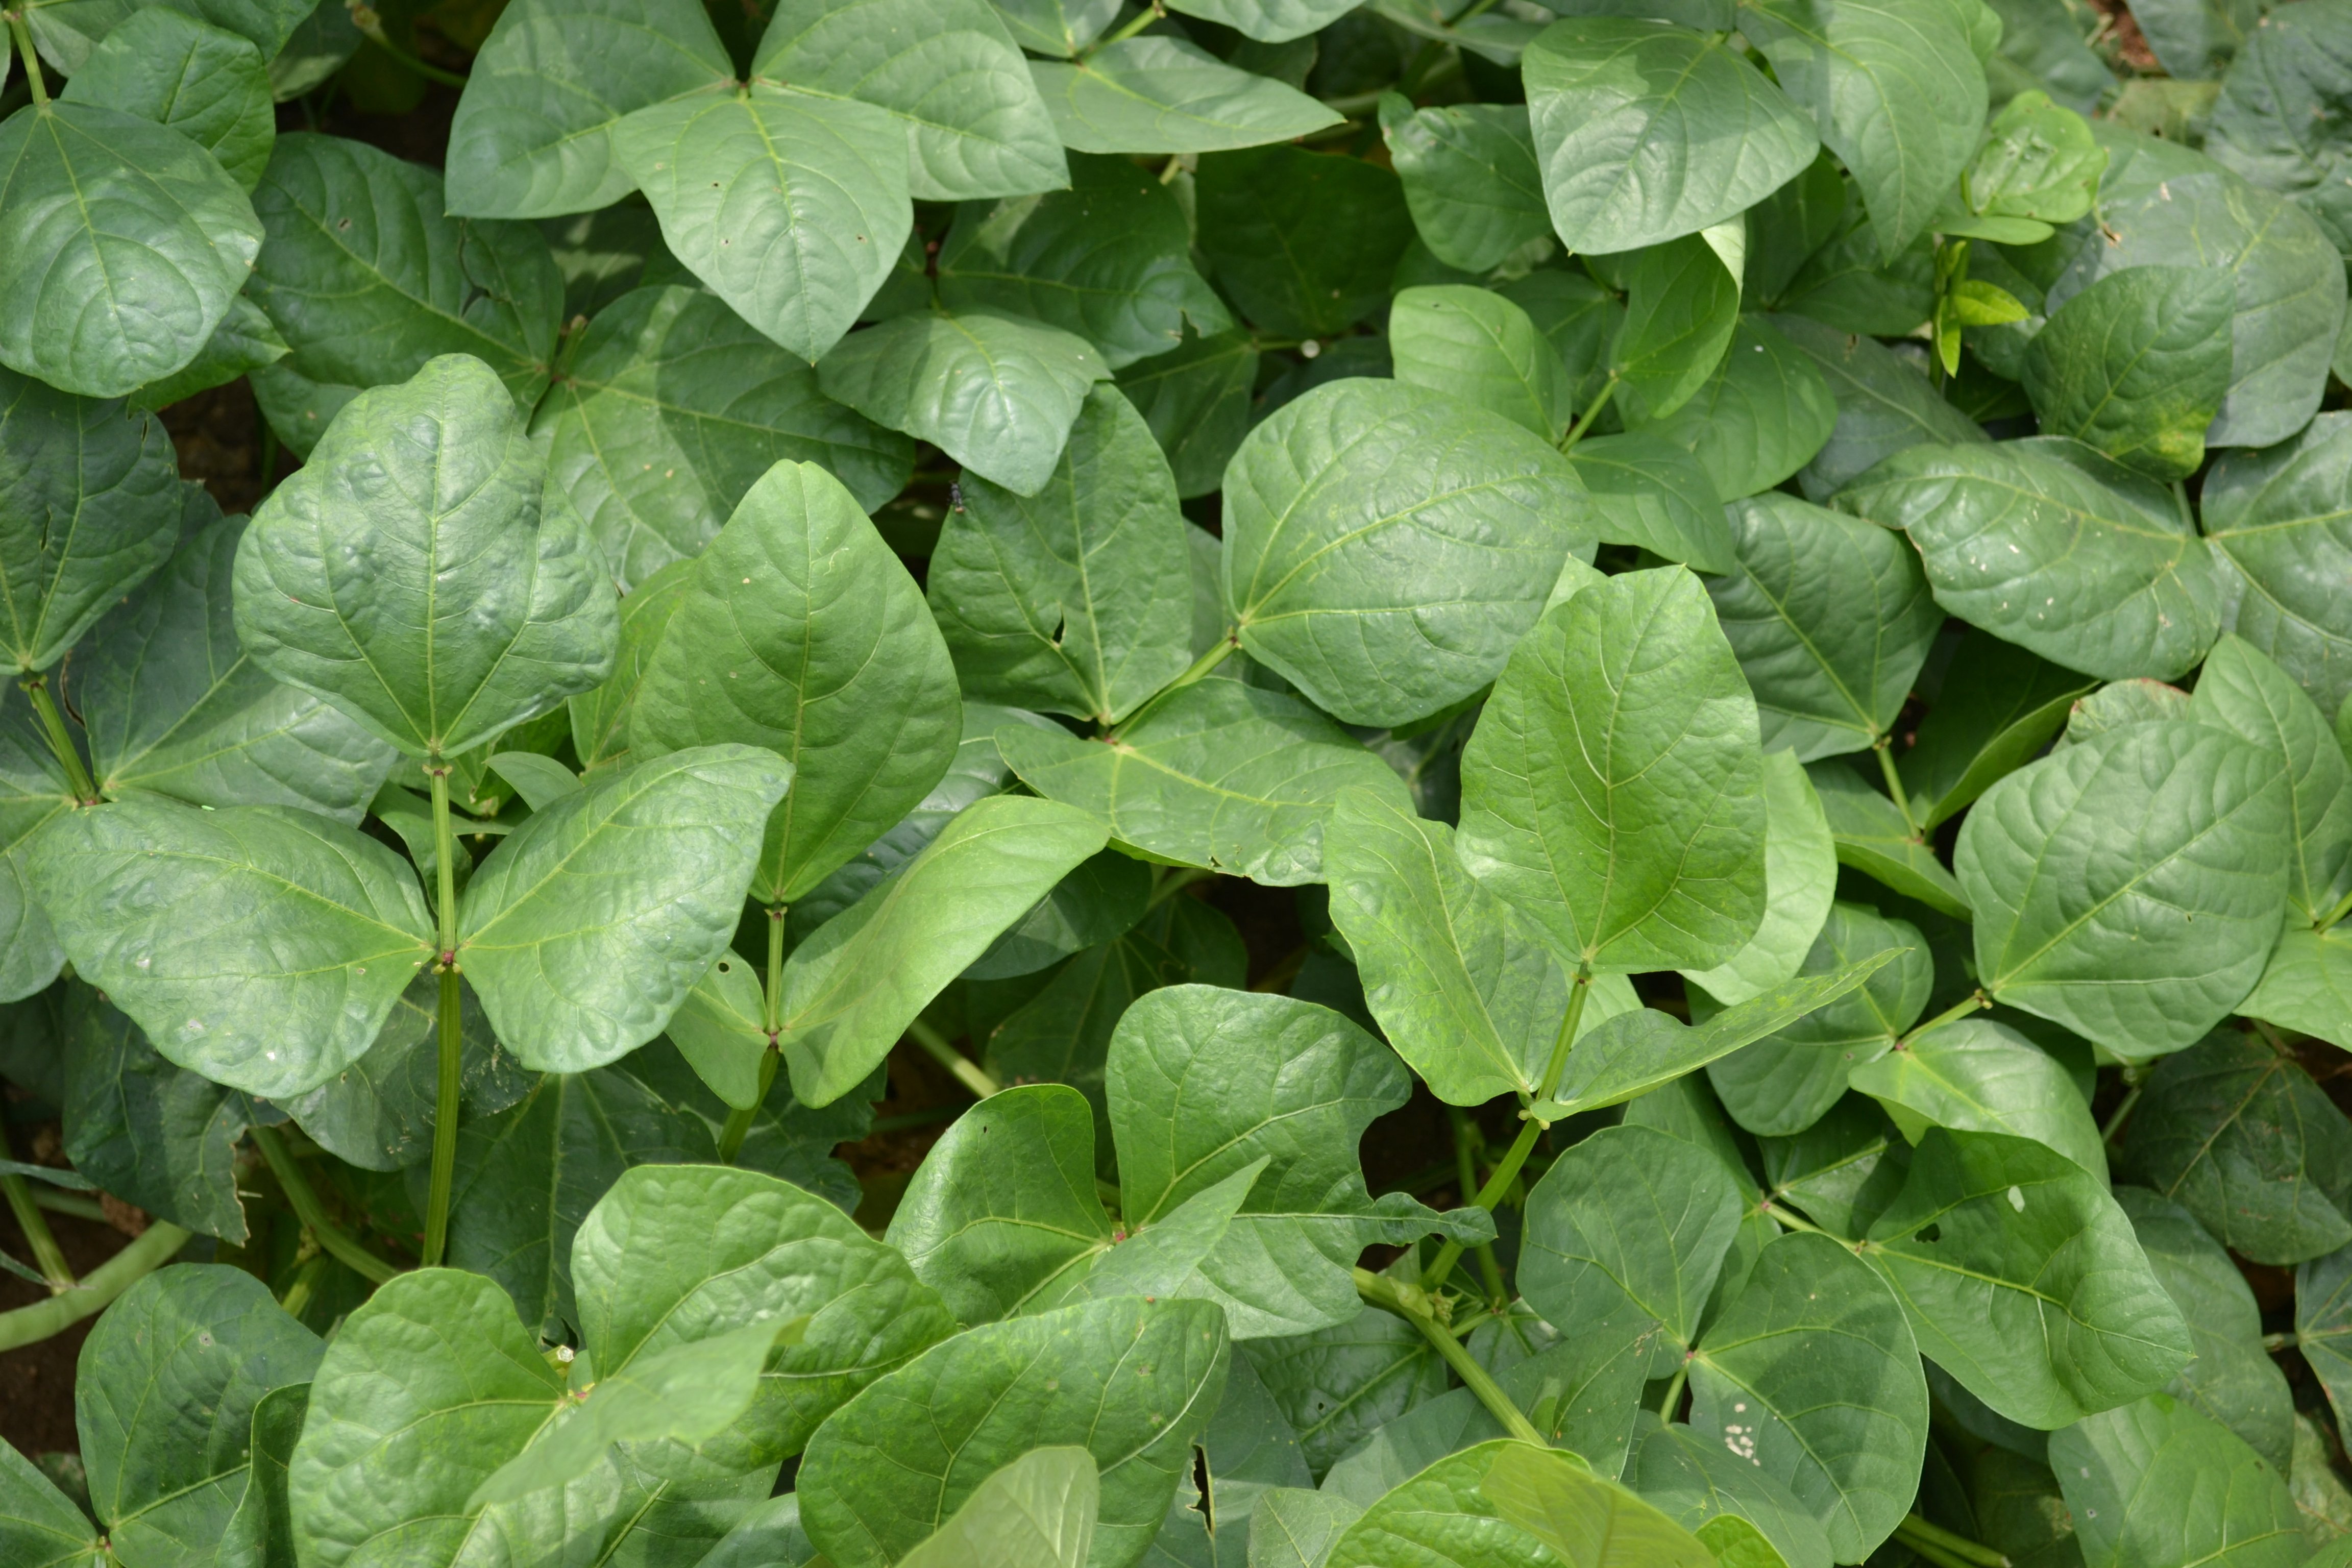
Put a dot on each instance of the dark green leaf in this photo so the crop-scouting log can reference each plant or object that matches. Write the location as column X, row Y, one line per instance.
column 1303, row 243
column 2137, row 365
column 202, row 81
column 1470, row 178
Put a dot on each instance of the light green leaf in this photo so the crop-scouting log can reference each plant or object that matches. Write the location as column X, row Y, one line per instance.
column 2158, row 1484
column 1078, row 601
column 1682, row 307
column 996, row 393
column 1762, row 415
column 1337, row 1386
column 1800, row 881
column 1999, row 706
column 1981, row 1076
column 434, row 659
column 202, row 81
column 1707, row 1489
column 2130, row 887
column 1647, row 132
column 1036, row 1513
column 851, row 990
column 1160, row 95
column 2039, row 162
column 790, row 208
column 1831, row 620
column 2023, row 1280
column 586, row 928
column 2323, row 1317
column 1196, row 398
column 2279, row 518
column 1476, row 346
column 802, row 633
column 1057, row 26
column 673, row 408
column 1269, row 21
column 2241, row 690
column 1505, row 1503
column 2137, row 365
column 1612, row 790
column 261, row 946
column 720, row 1028
column 1470, row 178
column 67, row 33
column 1296, row 1528
column 1132, row 1382
column 1874, row 838
column 1649, row 492
column 601, row 718
column 1305, row 245
column 2306, row 987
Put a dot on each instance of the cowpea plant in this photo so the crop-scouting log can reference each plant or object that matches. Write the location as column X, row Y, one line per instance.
column 1773, row 574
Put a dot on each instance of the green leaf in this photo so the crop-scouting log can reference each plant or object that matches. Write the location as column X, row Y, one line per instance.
column 2233, row 1379
column 2307, row 984
column 2158, row 1484
column 1612, row 790
column 1682, row 307
column 2240, row 1137
column 1058, row 27
column 1647, row 132
column 1296, row 1528
column 2241, row 690
column 1706, row 1488
column 1385, row 546
column 1132, row 1382
column 116, row 475
column 2007, row 534
column 173, row 705
column 1039, row 1510
column 378, row 1112
column 601, row 718
column 802, row 633
column 435, row 469
column 1110, row 260
column 1101, row 900
column 586, row 928
column 1977, row 1076
column 2276, row 517
column 1831, row 620
column 790, row 208
column 2137, row 365
column 1304, row 244
column 1800, row 881
column 946, row 70
column 1999, row 706
column 1196, row 398
column 1470, row 178
column 1763, row 415
column 851, row 990
column 1785, row 1082
column 2323, row 1316
column 2039, row 162
column 2130, row 886
column 369, row 278
column 1580, row 318
column 1649, row 492
column 534, row 133
column 673, row 408
column 1204, row 1082
column 165, row 1403
column 1507, row 1502
column 1337, row 1386
column 1896, row 91
column 1476, row 346
column 1079, row 600
column 1162, row 95
column 1884, row 405
column 121, row 244
column 243, row 345
column 1874, row 838
column 39, row 1526
column 67, row 32
column 1811, row 1373
column 261, row 946
column 720, row 1028
column 261, row 1533
column 202, row 81
column 152, row 1134
column 2023, row 1280
column 996, row 393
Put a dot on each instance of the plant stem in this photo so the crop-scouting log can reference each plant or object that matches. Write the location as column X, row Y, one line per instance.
column 47, row 1255
column 1200, row 668
column 1782, row 1216
column 967, row 1071
column 1916, row 1532
column 71, row 1204
column 313, row 1214
column 1499, row 1180
column 2276, row 1342
column 1673, row 1393
column 1175, row 881
column 2337, row 914
column 2121, row 1113
column 1150, row 14
column 453, row 1060
column 53, row 725
column 29, row 1325
column 1383, row 1293
column 24, row 36
column 1884, row 747
column 1489, row 1270
column 371, row 27
column 1584, row 421
column 1960, row 1009
column 739, row 1120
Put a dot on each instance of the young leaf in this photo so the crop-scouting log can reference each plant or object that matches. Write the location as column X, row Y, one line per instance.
column 2137, row 365
column 1800, row 881
column 2130, row 887
column 1612, row 790
column 434, row 658
column 1163, row 95
column 1385, row 545
column 202, row 81
column 1478, row 347
column 587, row 927
column 802, row 633
column 1470, row 178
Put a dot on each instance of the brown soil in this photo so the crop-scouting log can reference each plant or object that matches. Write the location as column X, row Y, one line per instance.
column 37, row 1381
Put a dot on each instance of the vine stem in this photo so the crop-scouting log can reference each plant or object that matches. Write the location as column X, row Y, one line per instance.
column 1916, row 1532
column 1150, row 14
column 738, row 1119
column 28, row 1325
column 1584, row 421
column 1884, row 747
column 53, row 725
column 2343, row 908
column 1466, row 1170
column 24, row 36
column 313, row 1214
column 1960, row 1009
column 47, row 1256
column 1227, row 642
column 968, row 1072
column 370, row 26
column 1385, row 1294
column 453, row 1060
column 1507, row 1171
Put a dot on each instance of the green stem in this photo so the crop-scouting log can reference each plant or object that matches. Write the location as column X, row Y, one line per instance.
column 47, row 1256
column 1466, row 1171
column 446, row 1094
column 307, row 1278
column 24, row 36
column 1499, row 1180
column 313, row 1214
column 29, row 1325
column 2276, row 1342
column 1974, row 1001
column 2122, row 1113
column 2337, row 914
column 739, row 1120
column 1200, row 668
column 1784, row 1217
column 1916, row 1532
column 1584, row 421
column 1383, row 1293
column 1478, row 9
column 1177, row 880
column 370, row 27
column 53, row 725
column 69, row 1204
column 967, row 1071
column 1150, row 15
column 1884, row 747
column 1673, row 1393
